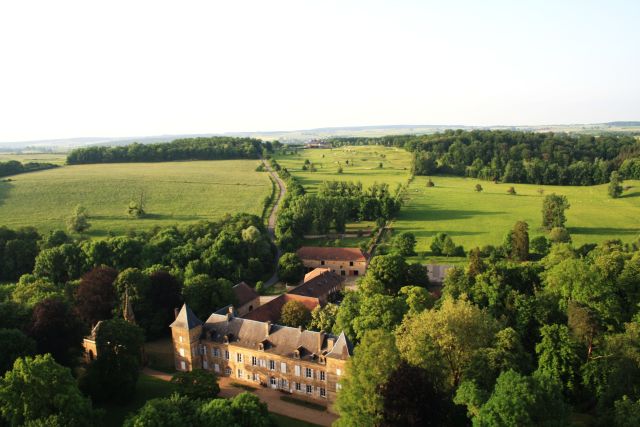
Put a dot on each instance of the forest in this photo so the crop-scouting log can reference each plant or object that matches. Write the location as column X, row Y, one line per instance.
column 515, row 156
column 211, row 148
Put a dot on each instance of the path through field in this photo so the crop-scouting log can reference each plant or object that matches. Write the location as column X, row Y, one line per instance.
column 271, row 225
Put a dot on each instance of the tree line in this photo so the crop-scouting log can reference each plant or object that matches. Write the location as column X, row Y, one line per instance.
column 517, row 157
column 209, row 148
column 334, row 204
column 14, row 167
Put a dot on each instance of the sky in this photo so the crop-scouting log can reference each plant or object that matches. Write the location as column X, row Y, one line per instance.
column 134, row 68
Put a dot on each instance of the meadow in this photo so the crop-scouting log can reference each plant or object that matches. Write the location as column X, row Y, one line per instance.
column 452, row 206
column 176, row 193
column 481, row 218
column 363, row 165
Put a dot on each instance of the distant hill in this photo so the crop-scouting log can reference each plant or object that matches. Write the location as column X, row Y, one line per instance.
column 307, row 134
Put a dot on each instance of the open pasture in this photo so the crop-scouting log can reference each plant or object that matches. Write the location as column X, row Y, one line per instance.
column 363, row 165
column 176, row 192
column 483, row 218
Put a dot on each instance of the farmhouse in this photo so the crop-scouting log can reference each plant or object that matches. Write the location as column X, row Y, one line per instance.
column 305, row 363
column 317, row 144
column 342, row 261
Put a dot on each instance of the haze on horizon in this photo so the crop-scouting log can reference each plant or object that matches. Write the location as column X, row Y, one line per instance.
column 121, row 68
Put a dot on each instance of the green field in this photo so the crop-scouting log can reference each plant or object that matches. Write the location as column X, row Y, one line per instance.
column 471, row 218
column 176, row 193
column 477, row 219
column 363, row 165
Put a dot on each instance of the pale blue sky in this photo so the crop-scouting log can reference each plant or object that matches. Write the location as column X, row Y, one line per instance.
column 127, row 68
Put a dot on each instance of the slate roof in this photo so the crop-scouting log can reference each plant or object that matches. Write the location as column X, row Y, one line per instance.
column 186, row 319
column 318, row 283
column 271, row 310
column 276, row 339
column 342, row 348
column 330, row 254
column 244, row 293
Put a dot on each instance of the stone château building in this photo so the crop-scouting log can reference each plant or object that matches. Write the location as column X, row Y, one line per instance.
column 305, row 363
column 342, row 261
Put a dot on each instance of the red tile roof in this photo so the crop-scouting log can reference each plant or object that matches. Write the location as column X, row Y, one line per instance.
column 271, row 310
column 330, row 254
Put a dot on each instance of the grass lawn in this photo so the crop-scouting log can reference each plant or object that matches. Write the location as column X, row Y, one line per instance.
column 283, row 421
column 148, row 388
column 176, row 192
column 477, row 219
column 363, row 165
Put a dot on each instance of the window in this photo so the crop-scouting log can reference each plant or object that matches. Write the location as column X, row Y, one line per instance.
column 297, row 370
column 342, row 272
column 323, row 376
column 216, row 367
column 338, row 386
column 227, row 371
column 309, row 389
column 321, row 262
column 308, row 372
column 254, row 361
column 273, row 381
column 215, row 352
column 239, row 357
column 272, row 365
column 205, row 364
column 350, row 263
column 355, row 272
column 181, row 338
column 263, row 363
column 181, row 351
column 338, row 371
column 284, row 384
column 283, row 367
column 298, row 386
column 240, row 373
column 183, row 366
column 256, row 378
column 203, row 350
column 226, row 354
column 323, row 392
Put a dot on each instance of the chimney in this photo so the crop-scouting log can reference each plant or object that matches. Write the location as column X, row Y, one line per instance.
column 267, row 327
column 320, row 340
column 300, row 328
column 330, row 343
column 230, row 313
column 176, row 311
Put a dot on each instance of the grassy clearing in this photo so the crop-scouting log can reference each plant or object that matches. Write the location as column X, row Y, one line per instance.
column 304, row 403
column 148, row 388
column 363, row 165
column 176, row 192
column 477, row 219
column 284, row 421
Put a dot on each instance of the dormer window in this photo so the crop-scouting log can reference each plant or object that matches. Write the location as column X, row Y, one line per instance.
column 226, row 339
column 296, row 354
column 321, row 262
column 261, row 346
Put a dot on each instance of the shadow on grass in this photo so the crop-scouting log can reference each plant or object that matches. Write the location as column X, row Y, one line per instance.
column 602, row 230
column 5, row 187
column 444, row 214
